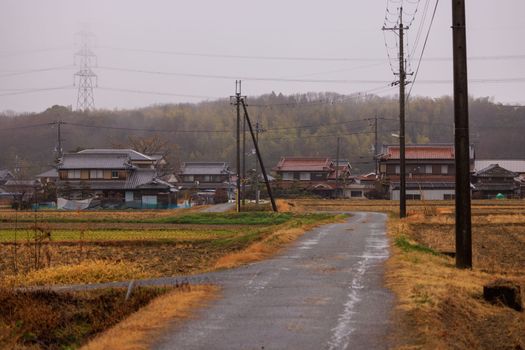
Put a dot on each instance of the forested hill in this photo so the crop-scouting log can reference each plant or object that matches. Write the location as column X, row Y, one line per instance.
column 306, row 124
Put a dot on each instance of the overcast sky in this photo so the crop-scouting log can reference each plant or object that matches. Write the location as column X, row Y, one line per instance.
column 332, row 45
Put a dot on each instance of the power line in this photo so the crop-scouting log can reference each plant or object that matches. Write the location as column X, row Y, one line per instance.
column 36, row 70
column 300, row 58
column 30, row 91
column 146, row 92
column 423, row 49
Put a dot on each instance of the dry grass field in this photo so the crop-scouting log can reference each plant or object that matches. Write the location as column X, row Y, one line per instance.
column 439, row 306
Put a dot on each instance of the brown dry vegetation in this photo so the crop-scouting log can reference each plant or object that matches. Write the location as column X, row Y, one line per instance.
column 439, row 306
column 50, row 320
column 139, row 330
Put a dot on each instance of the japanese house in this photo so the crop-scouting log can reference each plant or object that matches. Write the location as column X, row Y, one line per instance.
column 430, row 171
column 495, row 181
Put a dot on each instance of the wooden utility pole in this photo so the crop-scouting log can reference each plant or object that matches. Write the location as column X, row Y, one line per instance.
column 376, row 146
column 461, row 137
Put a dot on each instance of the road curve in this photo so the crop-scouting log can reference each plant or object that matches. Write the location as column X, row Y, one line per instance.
column 324, row 292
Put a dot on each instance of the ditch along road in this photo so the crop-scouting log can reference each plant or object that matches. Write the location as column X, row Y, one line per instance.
column 324, row 291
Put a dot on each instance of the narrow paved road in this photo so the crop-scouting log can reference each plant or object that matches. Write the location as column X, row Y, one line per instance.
column 324, row 292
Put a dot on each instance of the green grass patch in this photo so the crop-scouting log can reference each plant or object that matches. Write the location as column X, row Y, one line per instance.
column 248, row 218
column 405, row 245
column 121, row 235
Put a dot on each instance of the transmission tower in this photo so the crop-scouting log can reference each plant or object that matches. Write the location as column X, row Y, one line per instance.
column 85, row 77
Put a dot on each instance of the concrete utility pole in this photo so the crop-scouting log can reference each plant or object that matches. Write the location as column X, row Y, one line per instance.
column 461, row 137
column 59, row 150
column 258, row 130
column 402, row 165
column 402, row 82
column 243, row 181
column 236, row 100
column 337, row 169
column 376, row 146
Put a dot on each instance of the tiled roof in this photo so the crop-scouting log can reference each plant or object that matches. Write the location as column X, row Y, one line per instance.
column 133, row 155
column 95, row 161
column 304, row 164
column 49, row 173
column 205, row 168
column 495, row 170
column 421, row 152
column 4, row 173
column 514, row 165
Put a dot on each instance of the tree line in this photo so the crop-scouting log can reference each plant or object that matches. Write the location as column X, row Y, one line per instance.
column 294, row 125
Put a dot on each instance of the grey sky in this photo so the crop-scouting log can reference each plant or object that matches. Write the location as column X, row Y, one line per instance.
column 285, row 28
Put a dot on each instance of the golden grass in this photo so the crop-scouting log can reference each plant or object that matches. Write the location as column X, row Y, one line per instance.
column 441, row 307
column 139, row 330
column 260, row 250
column 89, row 271
column 269, row 245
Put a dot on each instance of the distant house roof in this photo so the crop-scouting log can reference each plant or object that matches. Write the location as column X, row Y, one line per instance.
column 304, row 164
column 205, row 168
column 133, row 155
column 514, row 165
column 495, row 170
column 428, row 151
column 5, row 174
column 21, row 183
column 95, row 161
column 49, row 173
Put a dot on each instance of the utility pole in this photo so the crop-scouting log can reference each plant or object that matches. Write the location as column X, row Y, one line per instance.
column 59, row 150
column 402, row 82
column 376, row 146
column 258, row 130
column 337, row 168
column 461, row 137
column 259, row 157
column 236, row 100
column 85, row 76
column 243, row 181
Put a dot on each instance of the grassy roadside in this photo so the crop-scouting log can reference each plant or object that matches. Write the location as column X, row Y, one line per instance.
column 139, row 330
column 441, row 307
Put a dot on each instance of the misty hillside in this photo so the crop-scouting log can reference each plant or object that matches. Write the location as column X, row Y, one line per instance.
column 306, row 124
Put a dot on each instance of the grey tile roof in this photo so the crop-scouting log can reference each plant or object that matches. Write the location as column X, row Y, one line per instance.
column 49, row 173
column 4, row 173
column 95, row 161
column 139, row 178
column 205, row 168
column 514, row 165
column 133, row 155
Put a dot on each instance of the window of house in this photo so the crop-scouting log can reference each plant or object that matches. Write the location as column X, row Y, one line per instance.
column 96, row 174
column 188, row 178
column 356, row 194
column 444, row 169
column 409, row 196
column 73, row 174
column 304, row 176
column 397, row 169
column 114, row 174
column 288, row 176
column 428, row 169
column 449, row 197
